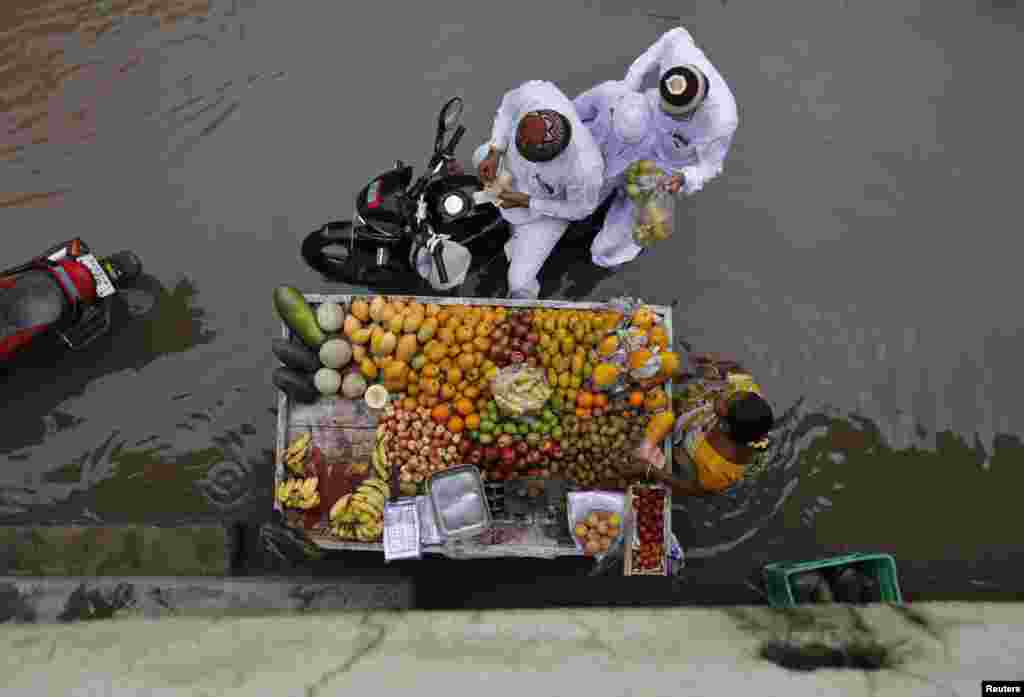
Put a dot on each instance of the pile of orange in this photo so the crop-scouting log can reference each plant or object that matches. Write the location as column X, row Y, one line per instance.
column 451, row 374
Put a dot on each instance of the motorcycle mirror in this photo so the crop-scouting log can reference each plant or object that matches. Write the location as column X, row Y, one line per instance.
column 448, row 119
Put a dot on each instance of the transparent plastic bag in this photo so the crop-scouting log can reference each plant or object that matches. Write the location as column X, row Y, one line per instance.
column 520, row 390
column 653, row 206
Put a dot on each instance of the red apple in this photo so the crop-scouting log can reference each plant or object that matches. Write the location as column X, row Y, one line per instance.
column 491, row 453
column 508, row 454
column 522, row 447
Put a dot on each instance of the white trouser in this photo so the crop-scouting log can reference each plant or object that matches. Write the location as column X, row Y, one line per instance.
column 527, row 250
column 614, row 245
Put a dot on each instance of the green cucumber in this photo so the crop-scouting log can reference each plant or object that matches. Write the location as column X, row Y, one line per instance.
column 299, row 316
column 296, row 356
column 298, row 386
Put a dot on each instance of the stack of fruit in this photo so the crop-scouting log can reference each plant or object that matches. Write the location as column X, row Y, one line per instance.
column 648, row 548
column 302, row 460
column 359, row 516
column 314, row 358
column 598, row 531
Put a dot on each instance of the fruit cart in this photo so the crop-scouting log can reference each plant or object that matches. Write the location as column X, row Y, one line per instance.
column 339, row 442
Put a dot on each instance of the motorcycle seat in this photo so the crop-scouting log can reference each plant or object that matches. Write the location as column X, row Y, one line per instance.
column 35, row 300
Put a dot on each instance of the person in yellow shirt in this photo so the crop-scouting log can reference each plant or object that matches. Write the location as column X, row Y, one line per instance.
column 720, row 433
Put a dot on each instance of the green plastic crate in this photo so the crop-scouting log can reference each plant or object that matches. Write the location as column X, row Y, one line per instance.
column 882, row 566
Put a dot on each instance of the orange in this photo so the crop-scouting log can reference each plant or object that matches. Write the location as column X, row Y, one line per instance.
column 670, row 364
column 608, row 345
column 430, row 371
column 636, row 399
column 585, row 400
column 639, row 358
column 440, row 413
column 442, row 315
column 658, row 337
column 583, row 412
column 605, row 375
column 472, row 421
column 644, row 318
column 464, row 407
column 601, row 401
column 455, row 424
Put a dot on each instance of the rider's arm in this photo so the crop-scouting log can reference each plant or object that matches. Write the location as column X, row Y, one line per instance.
column 505, row 120
column 652, row 58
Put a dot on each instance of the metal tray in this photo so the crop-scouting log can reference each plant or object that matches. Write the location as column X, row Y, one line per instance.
column 460, row 501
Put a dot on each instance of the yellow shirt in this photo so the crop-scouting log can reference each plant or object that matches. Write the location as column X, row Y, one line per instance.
column 713, row 472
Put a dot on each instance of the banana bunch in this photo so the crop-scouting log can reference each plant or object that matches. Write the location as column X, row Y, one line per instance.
column 360, row 515
column 379, row 459
column 299, row 493
column 298, row 452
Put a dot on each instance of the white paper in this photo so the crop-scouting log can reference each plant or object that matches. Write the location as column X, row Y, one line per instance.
column 401, row 531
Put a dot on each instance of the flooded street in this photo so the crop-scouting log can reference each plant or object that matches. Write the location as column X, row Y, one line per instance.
column 853, row 255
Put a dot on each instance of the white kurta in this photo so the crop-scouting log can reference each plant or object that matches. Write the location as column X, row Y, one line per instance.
column 565, row 189
column 697, row 147
column 614, row 243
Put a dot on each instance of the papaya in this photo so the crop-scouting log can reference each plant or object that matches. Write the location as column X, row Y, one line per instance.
column 407, row 347
column 299, row 316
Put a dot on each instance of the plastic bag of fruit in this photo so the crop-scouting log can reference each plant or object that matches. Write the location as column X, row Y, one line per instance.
column 653, row 205
column 519, row 390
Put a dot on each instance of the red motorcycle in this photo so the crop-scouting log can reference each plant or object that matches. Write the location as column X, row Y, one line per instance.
column 66, row 292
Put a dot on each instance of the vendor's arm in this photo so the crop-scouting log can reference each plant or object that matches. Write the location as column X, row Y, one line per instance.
column 582, row 194
column 678, row 485
column 506, row 118
column 652, row 58
column 710, row 163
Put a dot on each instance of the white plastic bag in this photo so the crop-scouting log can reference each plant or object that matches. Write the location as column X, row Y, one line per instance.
column 653, row 206
column 457, row 259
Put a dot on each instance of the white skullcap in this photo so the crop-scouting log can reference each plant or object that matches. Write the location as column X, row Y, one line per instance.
column 631, row 118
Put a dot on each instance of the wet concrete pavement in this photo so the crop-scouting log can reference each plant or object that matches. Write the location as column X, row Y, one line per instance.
column 854, row 254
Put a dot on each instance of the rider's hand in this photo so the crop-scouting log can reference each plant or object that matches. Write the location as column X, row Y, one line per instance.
column 488, row 168
column 674, row 184
column 513, row 199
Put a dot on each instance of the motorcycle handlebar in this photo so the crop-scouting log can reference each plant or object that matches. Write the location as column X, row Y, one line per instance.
column 438, row 254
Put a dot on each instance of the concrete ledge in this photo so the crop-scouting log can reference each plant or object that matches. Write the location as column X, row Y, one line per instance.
column 118, row 550
column 946, row 649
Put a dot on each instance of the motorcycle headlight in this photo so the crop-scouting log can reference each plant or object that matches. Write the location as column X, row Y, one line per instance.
column 453, row 204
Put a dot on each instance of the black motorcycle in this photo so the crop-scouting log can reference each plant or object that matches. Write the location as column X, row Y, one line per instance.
column 400, row 232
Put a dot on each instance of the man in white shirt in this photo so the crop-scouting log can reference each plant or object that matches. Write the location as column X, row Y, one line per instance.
column 556, row 172
column 696, row 115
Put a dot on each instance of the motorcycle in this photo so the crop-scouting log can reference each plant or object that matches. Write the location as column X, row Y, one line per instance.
column 438, row 230
column 66, row 292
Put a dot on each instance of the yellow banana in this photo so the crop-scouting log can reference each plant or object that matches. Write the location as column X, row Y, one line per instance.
column 339, row 508
column 380, row 485
column 372, row 492
column 363, row 504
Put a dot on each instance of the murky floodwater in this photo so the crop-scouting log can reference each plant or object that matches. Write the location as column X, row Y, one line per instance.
column 852, row 253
